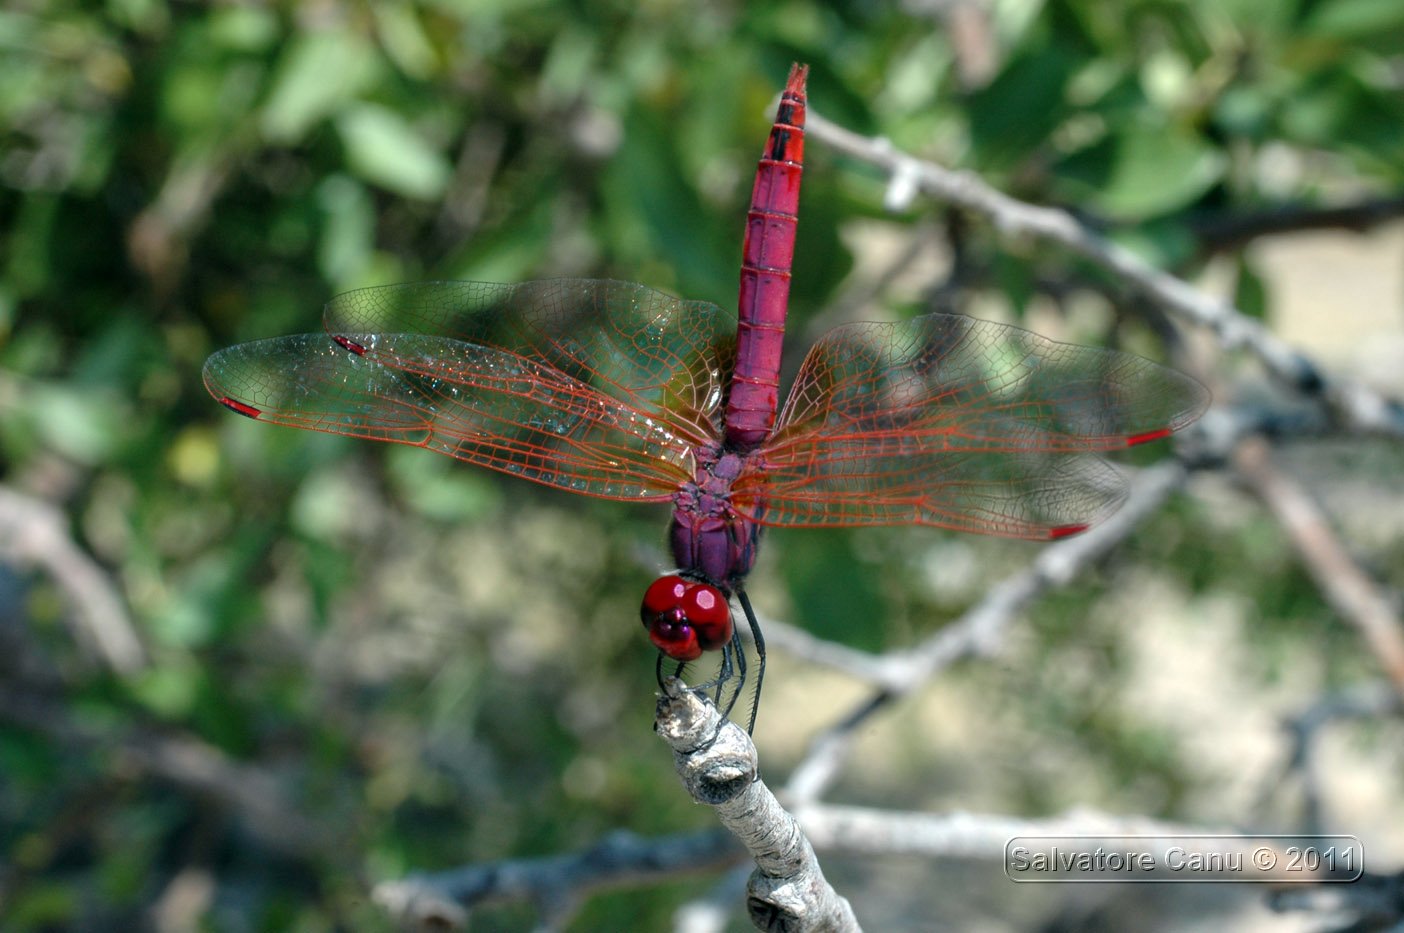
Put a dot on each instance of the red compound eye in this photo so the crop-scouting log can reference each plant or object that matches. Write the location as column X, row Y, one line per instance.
column 685, row 618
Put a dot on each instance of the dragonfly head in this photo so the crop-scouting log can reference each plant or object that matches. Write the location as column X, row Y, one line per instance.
column 685, row 617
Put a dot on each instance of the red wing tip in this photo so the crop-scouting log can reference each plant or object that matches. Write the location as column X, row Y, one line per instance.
column 1065, row 531
column 347, row 343
column 238, row 407
column 1148, row 436
column 798, row 74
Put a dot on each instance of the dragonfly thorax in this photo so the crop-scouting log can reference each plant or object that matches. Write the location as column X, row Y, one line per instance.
column 709, row 539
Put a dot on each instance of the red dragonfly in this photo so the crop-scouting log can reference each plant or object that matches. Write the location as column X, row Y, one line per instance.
column 618, row 391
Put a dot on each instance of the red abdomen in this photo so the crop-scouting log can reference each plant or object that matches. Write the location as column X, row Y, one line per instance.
column 765, row 273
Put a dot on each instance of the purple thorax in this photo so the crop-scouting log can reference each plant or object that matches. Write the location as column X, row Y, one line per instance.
column 709, row 539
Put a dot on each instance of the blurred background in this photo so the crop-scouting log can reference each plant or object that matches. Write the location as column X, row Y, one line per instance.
column 247, row 671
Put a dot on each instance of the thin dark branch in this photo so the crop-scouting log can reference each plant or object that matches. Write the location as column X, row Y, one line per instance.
column 1221, row 233
column 556, row 884
column 1372, row 701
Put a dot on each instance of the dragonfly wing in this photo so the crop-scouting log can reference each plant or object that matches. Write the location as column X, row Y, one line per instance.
column 598, row 387
column 479, row 404
column 950, row 421
column 657, row 355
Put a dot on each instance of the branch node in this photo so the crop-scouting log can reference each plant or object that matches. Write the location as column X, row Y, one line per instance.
column 902, row 186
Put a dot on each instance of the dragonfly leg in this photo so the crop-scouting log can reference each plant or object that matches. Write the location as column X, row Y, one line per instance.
column 658, row 669
column 760, row 655
column 723, row 675
column 735, row 647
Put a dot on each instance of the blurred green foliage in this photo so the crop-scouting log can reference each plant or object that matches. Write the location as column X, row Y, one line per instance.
column 430, row 665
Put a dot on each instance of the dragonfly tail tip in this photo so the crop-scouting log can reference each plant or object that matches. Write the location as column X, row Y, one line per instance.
column 798, row 73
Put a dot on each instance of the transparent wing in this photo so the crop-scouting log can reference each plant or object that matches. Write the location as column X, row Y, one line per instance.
column 950, row 421
column 599, row 387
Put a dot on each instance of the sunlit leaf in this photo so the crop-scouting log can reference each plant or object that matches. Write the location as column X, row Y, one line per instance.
column 318, row 74
column 385, row 149
column 1143, row 172
column 83, row 424
column 348, row 231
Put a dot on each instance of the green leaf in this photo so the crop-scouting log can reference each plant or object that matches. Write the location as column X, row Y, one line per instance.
column 655, row 211
column 169, row 690
column 1166, row 243
column 834, row 595
column 348, row 231
column 325, row 506
column 385, row 149
column 1020, row 108
column 83, row 424
column 1143, row 172
column 1355, row 18
column 516, row 247
column 404, row 39
column 317, row 76
column 1016, row 279
column 246, row 28
column 1340, row 111
column 1250, row 294
column 44, row 904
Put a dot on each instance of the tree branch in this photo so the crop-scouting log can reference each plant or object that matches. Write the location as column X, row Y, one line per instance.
column 33, row 532
column 555, row 885
column 1226, row 232
column 718, row 765
column 1347, row 587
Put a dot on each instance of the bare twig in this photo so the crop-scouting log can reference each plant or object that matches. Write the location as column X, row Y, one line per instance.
column 1341, row 580
column 866, row 830
column 1352, row 403
column 158, row 240
column 717, row 763
column 468, row 190
column 34, row 532
column 556, row 885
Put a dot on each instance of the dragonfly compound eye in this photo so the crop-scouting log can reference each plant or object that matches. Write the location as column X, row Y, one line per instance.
column 706, row 608
column 684, row 618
